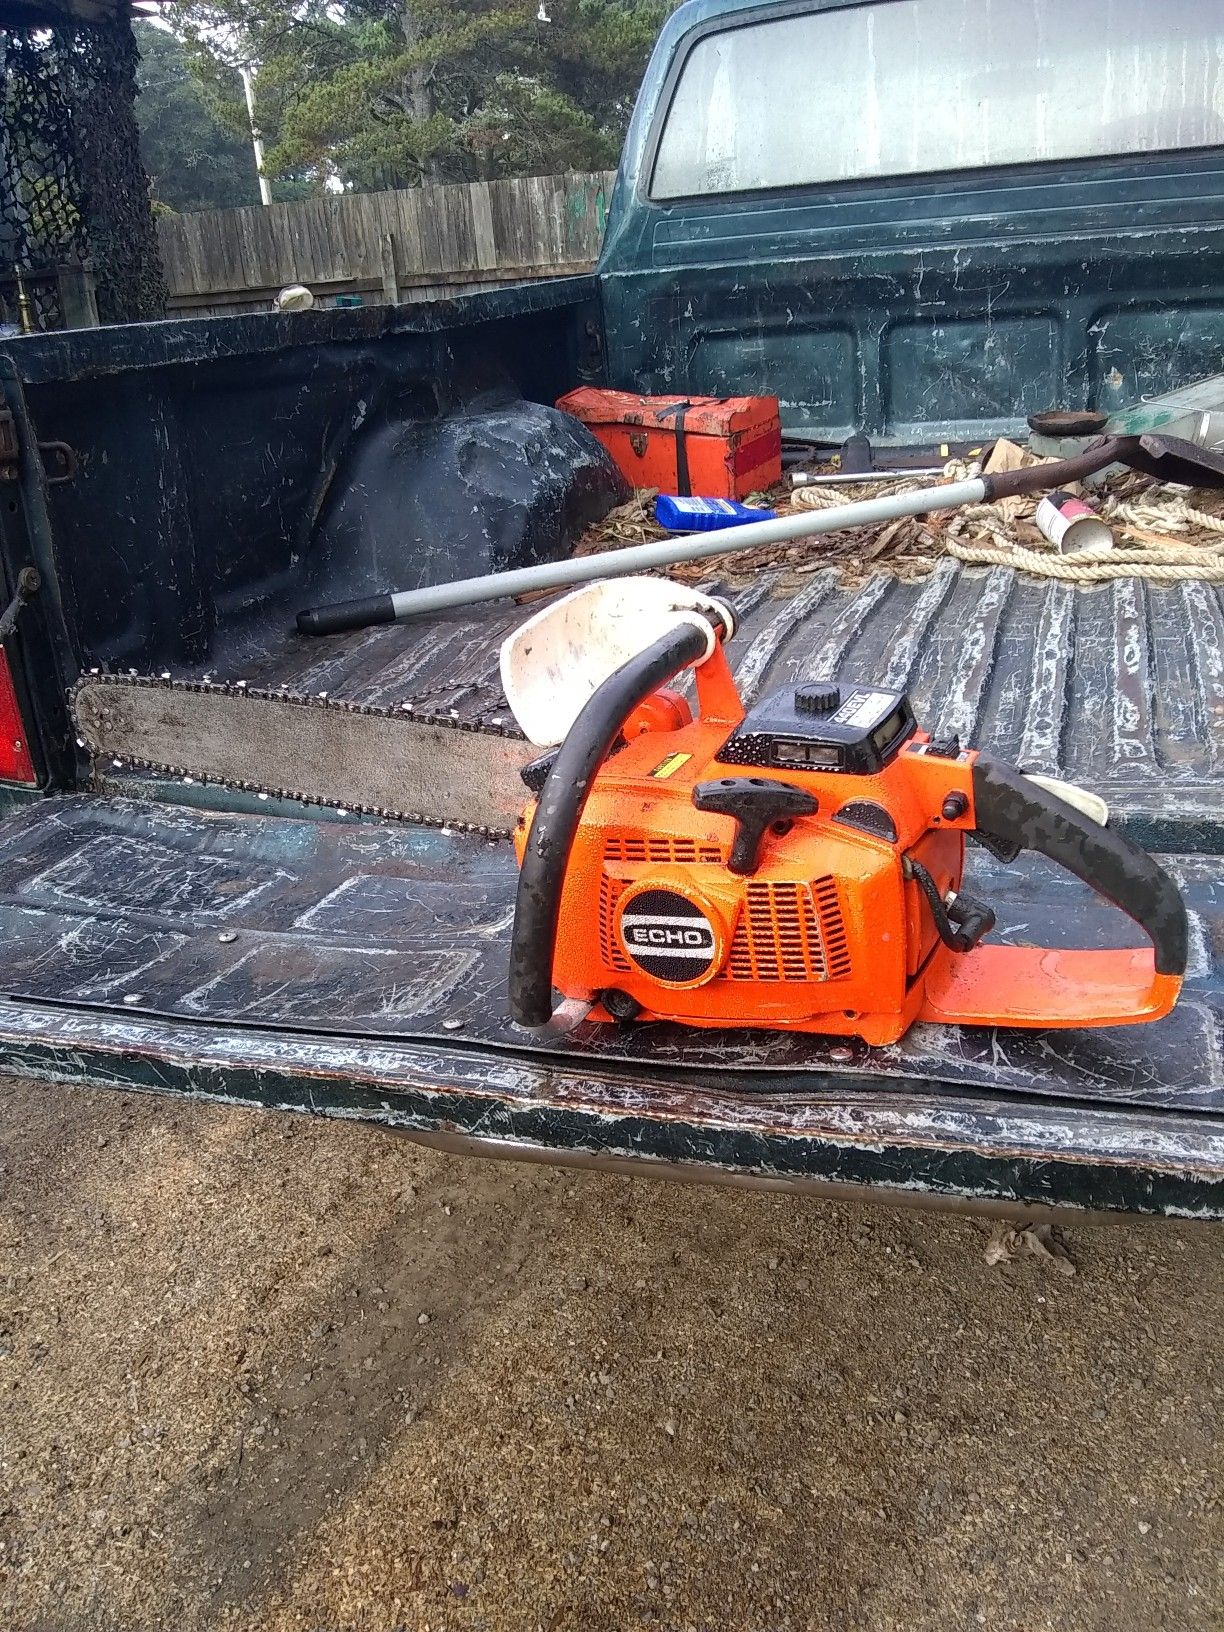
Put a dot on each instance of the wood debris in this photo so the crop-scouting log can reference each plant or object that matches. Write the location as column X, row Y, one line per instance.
column 907, row 549
column 1137, row 508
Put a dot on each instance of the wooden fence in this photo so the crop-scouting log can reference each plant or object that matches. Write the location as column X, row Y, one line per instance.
column 411, row 244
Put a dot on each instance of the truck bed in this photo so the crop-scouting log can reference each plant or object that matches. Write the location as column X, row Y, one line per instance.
column 354, row 968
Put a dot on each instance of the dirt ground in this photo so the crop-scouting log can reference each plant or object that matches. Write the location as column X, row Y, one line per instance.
column 263, row 1372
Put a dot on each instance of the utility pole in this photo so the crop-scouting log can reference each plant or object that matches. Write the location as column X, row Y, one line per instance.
column 248, row 86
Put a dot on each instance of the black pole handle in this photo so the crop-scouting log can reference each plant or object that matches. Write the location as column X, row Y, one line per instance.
column 1017, row 813
column 1098, row 455
column 343, row 615
column 1167, row 458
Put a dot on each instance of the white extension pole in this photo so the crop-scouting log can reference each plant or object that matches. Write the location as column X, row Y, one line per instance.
column 669, row 552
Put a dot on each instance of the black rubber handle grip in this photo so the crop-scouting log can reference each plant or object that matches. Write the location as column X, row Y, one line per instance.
column 537, row 903
column 1168, row 458
column 1106, row 450
column 1014, row 811
column 342, row 615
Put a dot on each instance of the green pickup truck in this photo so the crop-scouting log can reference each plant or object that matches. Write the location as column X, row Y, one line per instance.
column 919, row 219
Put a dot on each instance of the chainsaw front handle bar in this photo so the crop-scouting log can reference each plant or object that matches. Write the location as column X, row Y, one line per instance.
column 1017, row 814
column 537, row 905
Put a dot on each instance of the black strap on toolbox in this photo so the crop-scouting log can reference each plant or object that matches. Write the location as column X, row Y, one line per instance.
column 684, row 486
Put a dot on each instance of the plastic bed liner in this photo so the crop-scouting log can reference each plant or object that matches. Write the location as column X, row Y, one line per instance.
column 1119, row 686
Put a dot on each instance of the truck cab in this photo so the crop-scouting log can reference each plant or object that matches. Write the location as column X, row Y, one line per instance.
column 921, row 219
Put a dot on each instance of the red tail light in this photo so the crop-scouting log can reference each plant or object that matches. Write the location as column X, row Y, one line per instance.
column 15, row 762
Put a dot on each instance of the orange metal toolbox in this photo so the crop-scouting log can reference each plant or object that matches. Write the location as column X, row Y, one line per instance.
column 717, row 447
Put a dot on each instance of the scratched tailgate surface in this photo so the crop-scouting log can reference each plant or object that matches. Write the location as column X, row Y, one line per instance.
column 398, row 933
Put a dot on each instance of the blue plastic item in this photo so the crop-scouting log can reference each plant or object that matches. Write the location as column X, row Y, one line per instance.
column 704, row 515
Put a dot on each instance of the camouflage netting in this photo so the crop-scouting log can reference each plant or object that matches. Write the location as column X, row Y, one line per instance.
column 73, row 190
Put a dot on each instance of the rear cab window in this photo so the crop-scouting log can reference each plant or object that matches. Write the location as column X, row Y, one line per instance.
column 899, row 88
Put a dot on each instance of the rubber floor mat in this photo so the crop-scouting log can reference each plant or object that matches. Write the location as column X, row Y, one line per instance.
column 379, row 931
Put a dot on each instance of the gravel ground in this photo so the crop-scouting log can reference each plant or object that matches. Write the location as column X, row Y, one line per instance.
column 270, row 1373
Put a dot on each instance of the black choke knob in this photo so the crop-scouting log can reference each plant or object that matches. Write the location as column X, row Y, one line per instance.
column 817, row 698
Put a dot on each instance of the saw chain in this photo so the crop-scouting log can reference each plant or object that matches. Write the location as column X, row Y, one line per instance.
column 95, row 723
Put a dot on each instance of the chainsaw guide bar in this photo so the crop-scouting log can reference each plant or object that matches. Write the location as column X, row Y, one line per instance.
column 409, row 763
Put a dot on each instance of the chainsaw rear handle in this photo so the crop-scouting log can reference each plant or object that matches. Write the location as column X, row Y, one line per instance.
column 537, row 905
column 1017, row 814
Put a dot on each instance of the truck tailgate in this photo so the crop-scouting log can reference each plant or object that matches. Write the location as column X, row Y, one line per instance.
column 361, row 970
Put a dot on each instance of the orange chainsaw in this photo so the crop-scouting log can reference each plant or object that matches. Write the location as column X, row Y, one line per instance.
column 795, row 866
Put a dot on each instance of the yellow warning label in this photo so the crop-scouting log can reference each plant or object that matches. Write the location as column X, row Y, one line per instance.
column 668, row 766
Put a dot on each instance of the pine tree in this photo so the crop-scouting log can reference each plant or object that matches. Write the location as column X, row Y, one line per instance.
column 392, row 93
column 194, row 162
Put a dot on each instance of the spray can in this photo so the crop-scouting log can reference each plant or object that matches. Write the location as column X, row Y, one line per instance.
column 1071, row 524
